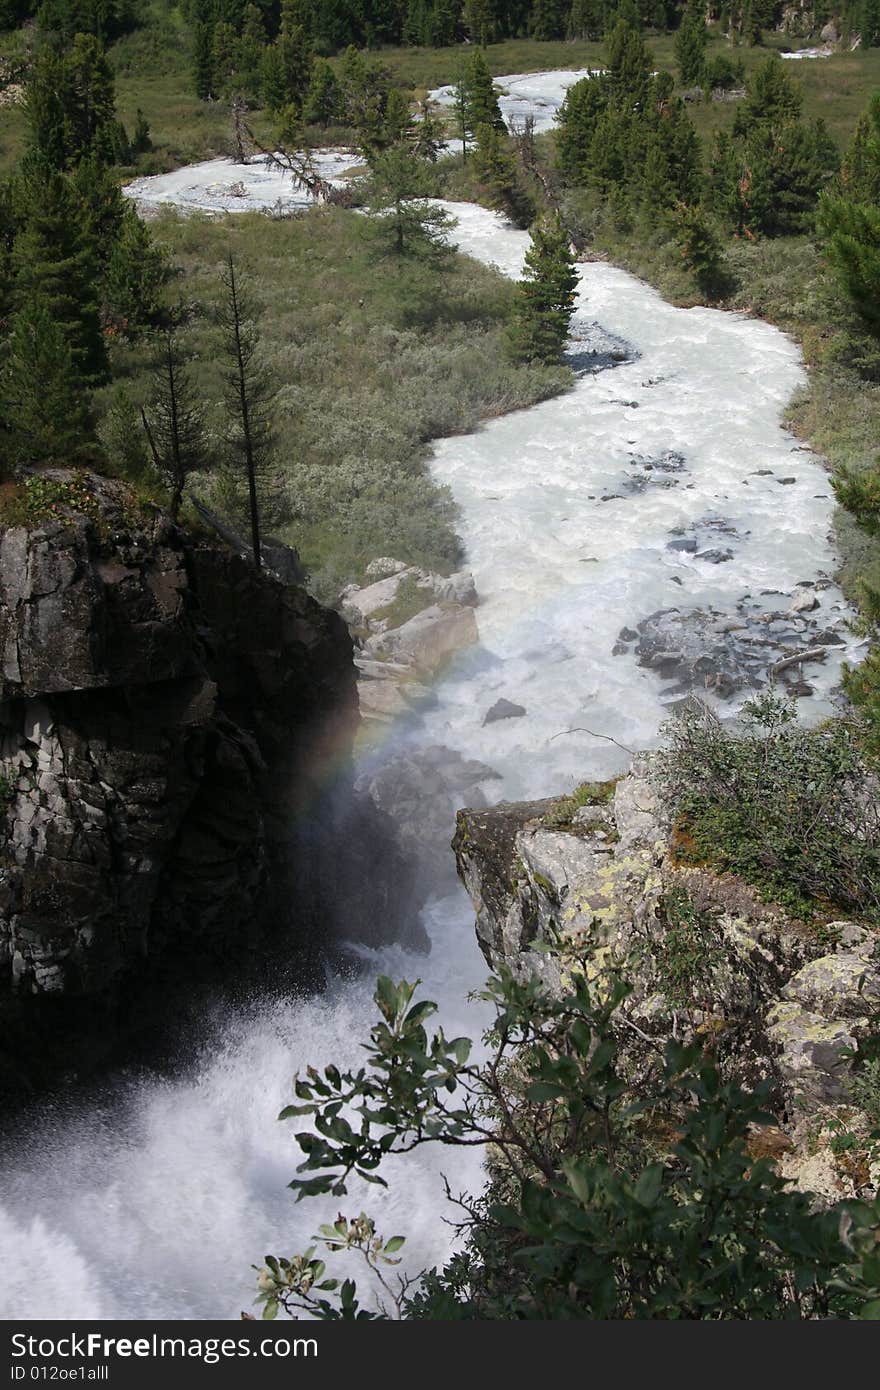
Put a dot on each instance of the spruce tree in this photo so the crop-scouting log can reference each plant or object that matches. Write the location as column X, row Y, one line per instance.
column 548, row 19
column 482, row 99
column 480, row 21
column 249, row 54
column 629, row 64
column 585, row 20
column 773, row 98
column 224, row 58
column 174, row 420
column 133, row 278
column 860, row 171
column 53, row 259
column 462, row 114
column 547, row 295
column 203, row 62
column 869, row 23
column 323, row 104
column 246, row 396
column 701, row 251
column 70, row 106
column 396, row 191
column 690, row 47
column 44, row 108
column 496, row 167
column 417, row 29
column 295, row 48
column 584, row 104
column 90, row 113
column 852, row 249
column 273, row 79
column 43, row 404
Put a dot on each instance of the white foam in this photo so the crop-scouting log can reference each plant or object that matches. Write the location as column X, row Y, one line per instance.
column 223, row 185
column 535, row 94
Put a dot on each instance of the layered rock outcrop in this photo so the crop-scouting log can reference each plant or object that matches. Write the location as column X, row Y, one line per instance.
column 175, row 780
column 595, row 877
column 408, row 624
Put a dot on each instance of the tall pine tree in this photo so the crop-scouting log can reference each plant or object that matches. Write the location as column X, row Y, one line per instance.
column 547, row 295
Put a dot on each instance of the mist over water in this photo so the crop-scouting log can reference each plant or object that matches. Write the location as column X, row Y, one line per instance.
column 154, row 1198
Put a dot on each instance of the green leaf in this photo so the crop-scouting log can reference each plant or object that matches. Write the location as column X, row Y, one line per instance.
column 393, row 1244
column 647, row 1189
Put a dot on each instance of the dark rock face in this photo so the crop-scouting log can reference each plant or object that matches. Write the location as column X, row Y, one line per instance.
column 176, row 731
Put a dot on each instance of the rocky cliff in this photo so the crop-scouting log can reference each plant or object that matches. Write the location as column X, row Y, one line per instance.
column 174, row 781
column 595, row 878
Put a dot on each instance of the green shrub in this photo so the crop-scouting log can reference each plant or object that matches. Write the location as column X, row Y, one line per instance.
column 587, row 794
column 791, row 810
column 691, row 951
column 601, row 1204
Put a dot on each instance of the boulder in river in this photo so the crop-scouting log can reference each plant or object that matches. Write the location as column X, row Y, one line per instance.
column 429, row 639
column 704, row 649
column 504, row 709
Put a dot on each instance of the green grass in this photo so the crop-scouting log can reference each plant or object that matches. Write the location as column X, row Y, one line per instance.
column 370, row 356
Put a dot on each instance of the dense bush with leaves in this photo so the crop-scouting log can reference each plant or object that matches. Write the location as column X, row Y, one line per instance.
column 792, row 810
column 600, row 1204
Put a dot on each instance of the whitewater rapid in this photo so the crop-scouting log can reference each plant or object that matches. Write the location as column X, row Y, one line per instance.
column 154, row 1198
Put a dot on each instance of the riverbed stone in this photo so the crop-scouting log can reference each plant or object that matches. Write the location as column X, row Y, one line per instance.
column 430, row 638
column 504, row 709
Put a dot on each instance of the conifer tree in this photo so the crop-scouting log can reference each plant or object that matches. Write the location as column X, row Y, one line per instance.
column 773, row 98
column 585, row 20
column 249, row 52
column 246, row 395
column 323, row 103
column 53, row 259
column 480, row 21
column 629, row 65
column 701, row 251
column 174, row 420
column 397, row 119
column 860, row 171
column 396, row 193
column 70, row 106
column 224, row 57
column 496, row 167
column 273, row 79
column 548, row 19
column 428, row 134
column 482, row 99
column 417, row 27
column 584, row 104
column 547, row 295
column 852, row 247
column 203, row 62
column 690, row 46
column 295, row 48
column 869, row 23
column 461, row 110
column 43, row 410
column 90, row 114
column 133, row 277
